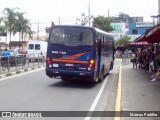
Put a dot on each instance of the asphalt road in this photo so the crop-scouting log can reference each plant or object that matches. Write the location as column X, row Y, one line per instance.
column 34, row 91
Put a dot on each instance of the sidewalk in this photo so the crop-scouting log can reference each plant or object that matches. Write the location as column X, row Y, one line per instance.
column 139, row 93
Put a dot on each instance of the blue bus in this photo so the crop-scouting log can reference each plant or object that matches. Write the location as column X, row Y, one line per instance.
column 79, row 52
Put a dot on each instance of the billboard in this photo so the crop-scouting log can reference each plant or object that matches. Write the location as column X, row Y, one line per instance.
column 119, row 31
column 119, row 28
column 144, row 24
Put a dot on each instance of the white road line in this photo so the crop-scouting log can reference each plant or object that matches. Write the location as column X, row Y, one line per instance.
column 94, row 104
column 8, row 77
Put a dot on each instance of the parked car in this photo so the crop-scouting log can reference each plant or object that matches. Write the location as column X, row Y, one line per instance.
column 22, row 51
column 37, row 50
column 17, row 57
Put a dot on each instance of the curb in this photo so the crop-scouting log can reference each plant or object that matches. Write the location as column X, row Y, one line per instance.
column 21, row 71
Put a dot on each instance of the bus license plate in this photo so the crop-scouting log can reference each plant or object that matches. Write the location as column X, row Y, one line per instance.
column 69, row 65
column 55, row 65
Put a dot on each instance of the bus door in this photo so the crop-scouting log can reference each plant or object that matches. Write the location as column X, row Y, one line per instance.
column 98, row 54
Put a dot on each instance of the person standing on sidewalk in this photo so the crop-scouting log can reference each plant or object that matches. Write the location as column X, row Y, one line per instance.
column 140, row 58
column 157, row 74
column 149, row 58
column 135, row 61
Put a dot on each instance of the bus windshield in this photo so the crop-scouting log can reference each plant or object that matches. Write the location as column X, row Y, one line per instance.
column 71, row 36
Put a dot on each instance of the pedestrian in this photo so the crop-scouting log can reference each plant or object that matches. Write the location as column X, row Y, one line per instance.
column 140, row 58
column 5, row 54
column 149, row 58
column 135, row 60
column 155, row 76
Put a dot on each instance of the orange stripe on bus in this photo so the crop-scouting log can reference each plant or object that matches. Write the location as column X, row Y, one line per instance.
column 69, row 61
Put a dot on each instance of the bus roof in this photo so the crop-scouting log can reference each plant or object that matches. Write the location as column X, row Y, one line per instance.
column 81, row 26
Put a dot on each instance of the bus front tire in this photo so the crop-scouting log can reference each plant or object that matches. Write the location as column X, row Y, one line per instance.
column 101, row 76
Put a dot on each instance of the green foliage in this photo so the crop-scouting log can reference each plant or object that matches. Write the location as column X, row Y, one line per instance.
column 84, row 20
column 2, row 26
column 14, row 22
column 10, row 18
column 103, row 23
column 22, row 25
column 124, row 41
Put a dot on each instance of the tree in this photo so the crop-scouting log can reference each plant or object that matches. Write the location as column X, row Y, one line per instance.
column 124, row 41
column 2, row 27
column 10, row 17
column 103, row 23
column 22, row 25
column 84, row 20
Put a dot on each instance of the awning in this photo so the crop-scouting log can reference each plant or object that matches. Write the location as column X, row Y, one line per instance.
column 141, row 38
column 151, row 36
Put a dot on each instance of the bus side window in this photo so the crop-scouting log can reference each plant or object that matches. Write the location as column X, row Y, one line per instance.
column 98, row 46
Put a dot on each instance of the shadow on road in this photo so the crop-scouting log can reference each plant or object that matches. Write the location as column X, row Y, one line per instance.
column 74, row 84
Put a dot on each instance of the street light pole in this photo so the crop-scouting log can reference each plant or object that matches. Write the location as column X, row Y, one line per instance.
column 157, row 16
column 158, row 19
column 153, row 16
column 59, row 21
column 38, row 31
column 89, row 15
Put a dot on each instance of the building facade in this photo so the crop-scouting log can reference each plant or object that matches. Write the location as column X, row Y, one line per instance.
column 130, row 26
column 139, row 28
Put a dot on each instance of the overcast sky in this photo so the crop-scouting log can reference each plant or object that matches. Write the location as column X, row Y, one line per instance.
column 52, row 10
column 46, row 11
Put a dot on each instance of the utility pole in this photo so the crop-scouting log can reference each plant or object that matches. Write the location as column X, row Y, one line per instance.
column 153, row 16
column 59, row 21
column 108, row 13
column 38, row 31
column 6, row 37
column 158, row 19
column 89, row 15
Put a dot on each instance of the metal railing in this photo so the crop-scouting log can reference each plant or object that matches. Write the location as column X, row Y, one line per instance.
column 21, row 61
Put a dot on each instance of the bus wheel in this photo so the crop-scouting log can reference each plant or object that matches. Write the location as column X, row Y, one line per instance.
column 111, row 66
column 101, row 76
column 96, row 80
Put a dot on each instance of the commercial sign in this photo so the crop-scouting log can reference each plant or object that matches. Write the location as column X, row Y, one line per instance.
column 144, row 24
column 119, row 28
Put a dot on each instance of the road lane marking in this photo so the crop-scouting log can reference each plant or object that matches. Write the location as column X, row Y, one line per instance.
column 27, row 72
column 94, row 104
column 118, row 98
